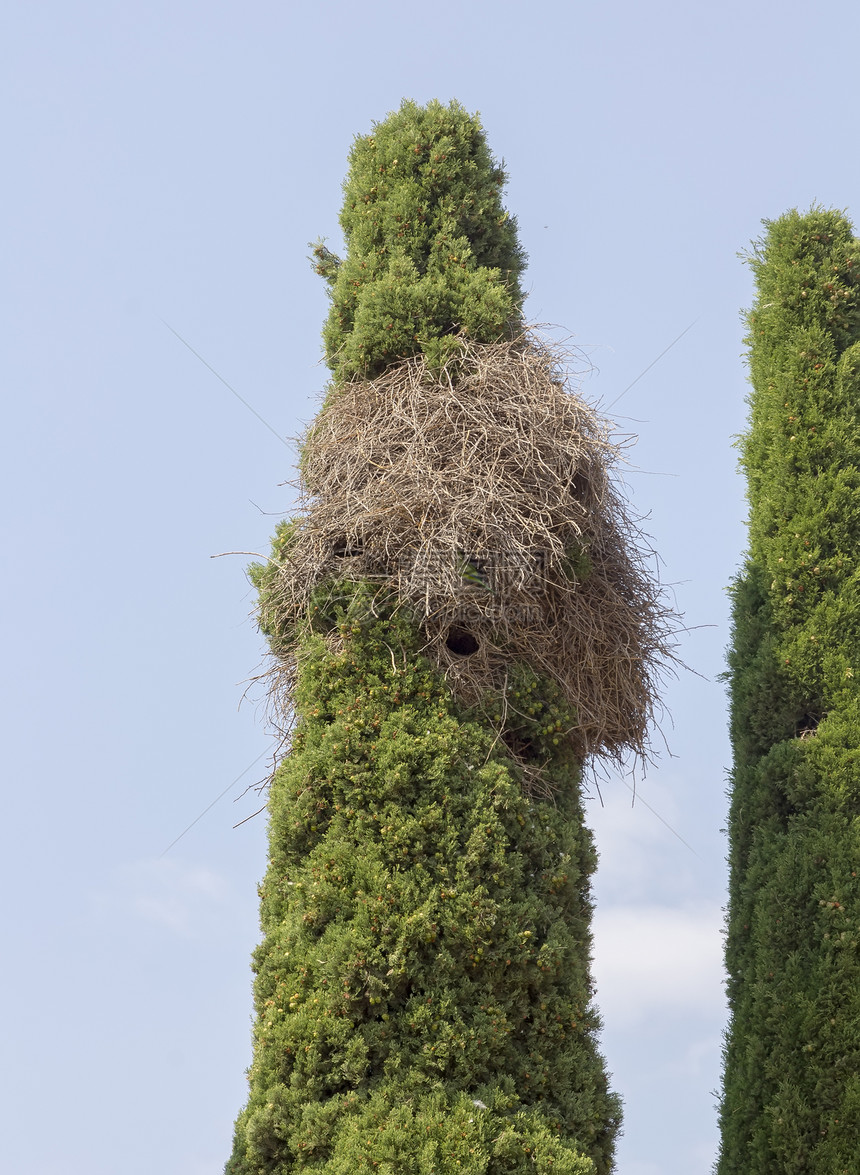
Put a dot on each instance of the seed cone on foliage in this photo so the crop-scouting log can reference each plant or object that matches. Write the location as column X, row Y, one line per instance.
column 791, row 1092
column 458, row 615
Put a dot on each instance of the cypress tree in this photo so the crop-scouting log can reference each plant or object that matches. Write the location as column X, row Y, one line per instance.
column 791, row 1093
column 423, row 992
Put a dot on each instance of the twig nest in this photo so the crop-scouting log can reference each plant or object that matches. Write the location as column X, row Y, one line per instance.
column 481, row 495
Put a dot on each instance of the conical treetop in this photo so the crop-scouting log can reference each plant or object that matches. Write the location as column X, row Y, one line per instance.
column 431, row 252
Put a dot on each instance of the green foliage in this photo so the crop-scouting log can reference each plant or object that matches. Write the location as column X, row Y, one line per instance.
column 792, row 1057
column 264, row 577
column 577, row 564
column 426, row 934
column 533, row 714
column 430, row 249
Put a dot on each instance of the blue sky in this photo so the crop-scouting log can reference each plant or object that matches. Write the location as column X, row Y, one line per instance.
column 169, row 163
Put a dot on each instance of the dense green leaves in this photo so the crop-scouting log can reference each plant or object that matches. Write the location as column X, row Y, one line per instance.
column 426, row 936
column 430, row 249
column 792, row 1059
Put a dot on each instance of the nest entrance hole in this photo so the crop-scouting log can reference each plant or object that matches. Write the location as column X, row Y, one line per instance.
column 520, row 746
column 461, row 642
column 807, row 725
column 579, row 487
column 345, row 548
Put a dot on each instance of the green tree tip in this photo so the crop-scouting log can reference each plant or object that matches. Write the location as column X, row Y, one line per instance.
column 431, row 251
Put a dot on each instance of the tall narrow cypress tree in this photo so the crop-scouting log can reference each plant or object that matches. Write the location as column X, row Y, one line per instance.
column 423, row 996
column 791, row 1096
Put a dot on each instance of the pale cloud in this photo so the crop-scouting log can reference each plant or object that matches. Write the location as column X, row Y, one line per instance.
column 701, row 1055
column 178, row 897
column 652, row 958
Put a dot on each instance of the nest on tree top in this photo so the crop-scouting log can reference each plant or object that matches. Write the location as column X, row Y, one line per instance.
column 481, row 495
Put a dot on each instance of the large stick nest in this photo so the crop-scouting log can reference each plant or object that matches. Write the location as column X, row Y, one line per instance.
column 482, row 495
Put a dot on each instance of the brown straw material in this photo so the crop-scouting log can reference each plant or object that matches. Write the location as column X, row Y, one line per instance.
column 481, row 495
